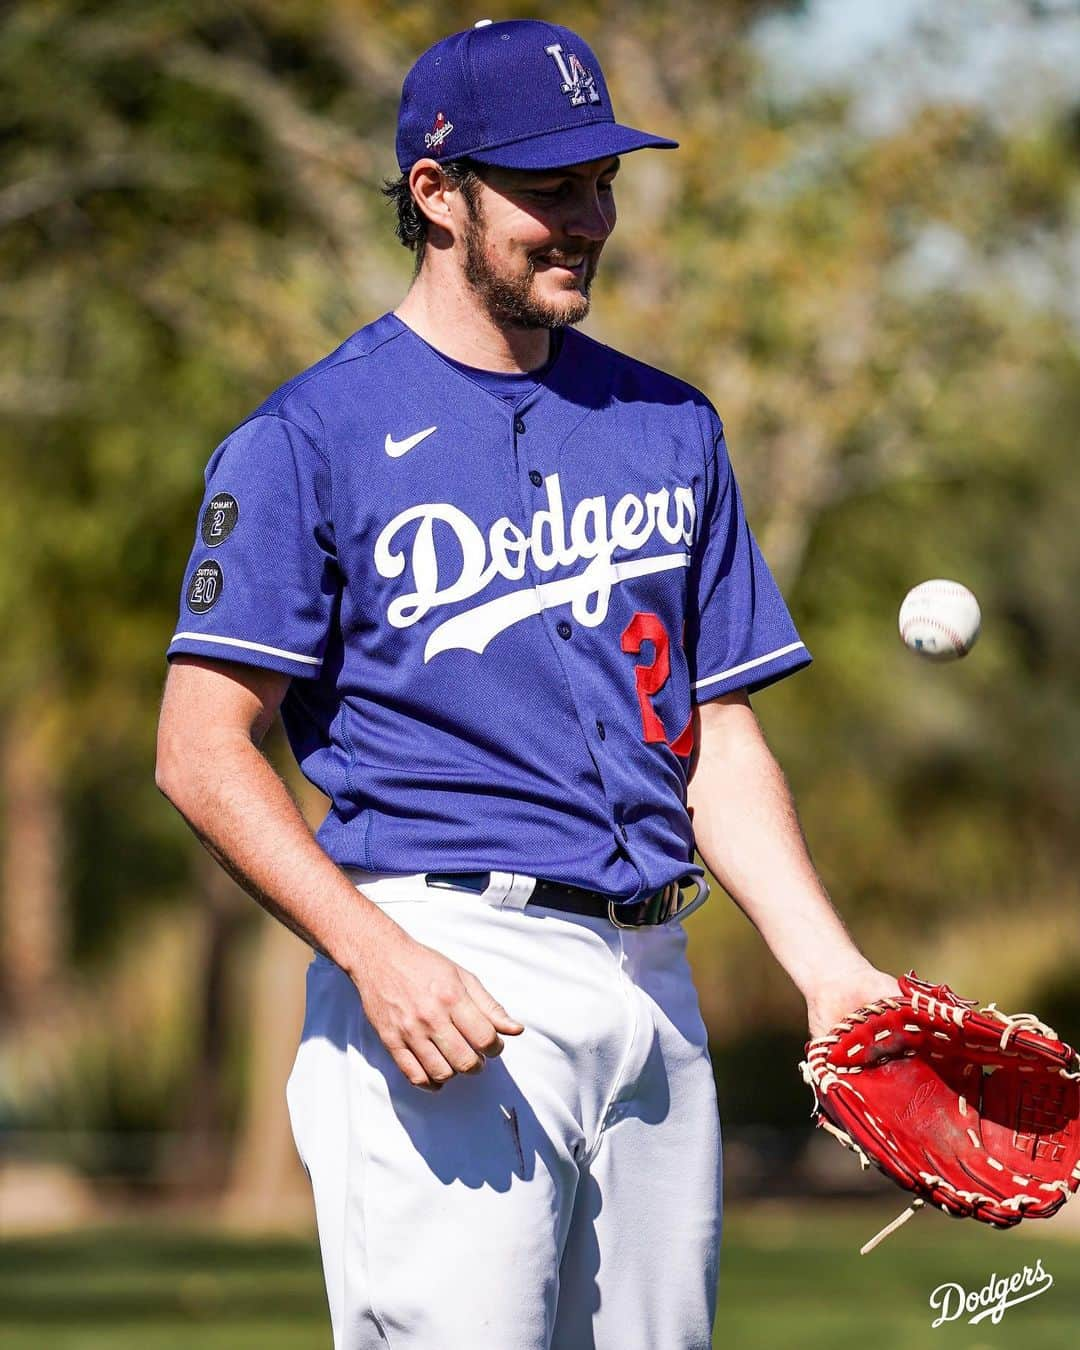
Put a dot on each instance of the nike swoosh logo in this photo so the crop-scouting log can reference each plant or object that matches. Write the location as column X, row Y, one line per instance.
column 396, row 448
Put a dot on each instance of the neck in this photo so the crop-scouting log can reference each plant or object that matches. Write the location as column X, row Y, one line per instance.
column 442, row 309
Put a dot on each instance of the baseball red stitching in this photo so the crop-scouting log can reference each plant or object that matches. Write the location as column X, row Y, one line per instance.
column 950, row 633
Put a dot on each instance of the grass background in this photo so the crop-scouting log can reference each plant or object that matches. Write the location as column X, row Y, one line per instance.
column 791, row 1277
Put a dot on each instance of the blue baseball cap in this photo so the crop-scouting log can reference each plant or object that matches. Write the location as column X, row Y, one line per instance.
column 521, row 94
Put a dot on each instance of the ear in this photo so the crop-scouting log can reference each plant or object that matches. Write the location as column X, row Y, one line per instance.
column 435, row 196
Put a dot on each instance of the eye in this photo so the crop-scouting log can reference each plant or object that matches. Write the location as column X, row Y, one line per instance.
column 548, row 194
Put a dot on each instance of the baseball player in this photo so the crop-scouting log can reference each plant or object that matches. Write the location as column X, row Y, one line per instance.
column 497, row 579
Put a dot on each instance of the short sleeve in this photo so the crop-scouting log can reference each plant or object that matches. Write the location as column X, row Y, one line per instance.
column 740, row 634
column 261, row 585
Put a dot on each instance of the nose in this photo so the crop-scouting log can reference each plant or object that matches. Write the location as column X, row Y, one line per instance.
column 593, row 216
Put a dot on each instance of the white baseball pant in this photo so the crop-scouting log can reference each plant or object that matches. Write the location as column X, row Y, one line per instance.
column 568, row 1197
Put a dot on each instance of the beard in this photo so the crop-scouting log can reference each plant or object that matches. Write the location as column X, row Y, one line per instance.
column 511, row 298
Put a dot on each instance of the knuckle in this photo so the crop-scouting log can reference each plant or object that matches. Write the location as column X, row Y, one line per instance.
column 423, row 1021
column 438, row 994
column 433, row 1013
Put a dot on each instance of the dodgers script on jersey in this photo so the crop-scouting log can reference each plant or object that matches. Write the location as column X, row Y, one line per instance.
column 498, row 613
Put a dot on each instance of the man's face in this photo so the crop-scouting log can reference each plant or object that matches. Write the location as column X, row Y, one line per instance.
column 533, row 241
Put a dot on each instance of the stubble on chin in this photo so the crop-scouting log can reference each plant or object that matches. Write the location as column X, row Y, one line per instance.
column 513, row 300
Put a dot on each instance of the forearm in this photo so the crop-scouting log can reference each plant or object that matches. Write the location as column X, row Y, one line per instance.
column 243, row 814
column 748, row 833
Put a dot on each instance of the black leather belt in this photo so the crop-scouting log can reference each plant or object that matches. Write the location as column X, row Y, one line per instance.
column 659, row 907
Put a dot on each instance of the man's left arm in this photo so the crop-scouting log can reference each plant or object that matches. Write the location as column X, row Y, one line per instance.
column 748, row 834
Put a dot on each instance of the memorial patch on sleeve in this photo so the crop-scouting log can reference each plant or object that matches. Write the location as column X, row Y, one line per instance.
column 219, row 519
column 207, row 583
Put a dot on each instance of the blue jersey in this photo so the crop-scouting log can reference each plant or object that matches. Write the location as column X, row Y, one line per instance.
column 497, row 611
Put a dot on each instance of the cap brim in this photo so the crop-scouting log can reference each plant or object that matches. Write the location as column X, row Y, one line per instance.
column 573, row 145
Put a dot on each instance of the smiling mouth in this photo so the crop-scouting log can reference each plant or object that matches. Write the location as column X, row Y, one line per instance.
column 574, row 263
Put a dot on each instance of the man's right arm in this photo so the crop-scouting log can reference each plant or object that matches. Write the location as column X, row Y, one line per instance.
column 434, row 1017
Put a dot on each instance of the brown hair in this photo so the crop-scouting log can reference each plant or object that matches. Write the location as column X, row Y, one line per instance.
column 412, row 224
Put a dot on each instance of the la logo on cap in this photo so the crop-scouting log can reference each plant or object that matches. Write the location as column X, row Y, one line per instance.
column 577, row 82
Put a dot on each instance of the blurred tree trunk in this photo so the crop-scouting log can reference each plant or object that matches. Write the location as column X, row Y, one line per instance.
column 33, row 920
column 267, row 1187
column 225, row 907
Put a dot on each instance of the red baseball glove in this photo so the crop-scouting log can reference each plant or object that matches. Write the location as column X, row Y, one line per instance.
column 970, row 1109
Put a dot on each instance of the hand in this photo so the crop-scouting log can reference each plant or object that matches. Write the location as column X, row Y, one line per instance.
column 844, row 991
column 434, row 1017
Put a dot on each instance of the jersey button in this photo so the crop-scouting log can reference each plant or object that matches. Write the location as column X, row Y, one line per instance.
column 519, row 425
column 563, row 628
column 536, row 478
column 601, row 730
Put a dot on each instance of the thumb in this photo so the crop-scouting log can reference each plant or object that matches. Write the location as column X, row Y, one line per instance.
column 500, row 1018
column 504, row 1022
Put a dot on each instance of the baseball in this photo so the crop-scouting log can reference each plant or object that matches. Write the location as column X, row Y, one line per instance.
column 940, row 620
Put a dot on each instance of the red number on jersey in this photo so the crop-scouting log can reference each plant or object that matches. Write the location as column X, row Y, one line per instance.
column 650, row 678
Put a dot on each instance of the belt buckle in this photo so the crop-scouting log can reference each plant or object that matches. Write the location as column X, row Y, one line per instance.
column 664, row 906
